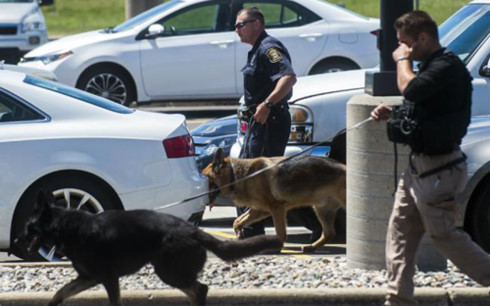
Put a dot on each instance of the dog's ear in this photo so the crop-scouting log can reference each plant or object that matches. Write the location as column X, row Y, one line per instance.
column 218, row 160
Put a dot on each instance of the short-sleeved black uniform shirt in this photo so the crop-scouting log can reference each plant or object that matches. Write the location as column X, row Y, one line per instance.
column 267, row 62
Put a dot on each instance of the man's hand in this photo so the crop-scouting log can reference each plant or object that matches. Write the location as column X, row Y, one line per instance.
column 262, row 113
column 402, row 51
column 381, row 112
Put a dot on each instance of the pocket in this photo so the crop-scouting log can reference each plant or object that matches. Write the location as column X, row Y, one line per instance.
column 440, row 187
column 439, row 219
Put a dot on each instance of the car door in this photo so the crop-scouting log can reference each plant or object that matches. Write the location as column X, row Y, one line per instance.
column 194, row 57
column 295, row 26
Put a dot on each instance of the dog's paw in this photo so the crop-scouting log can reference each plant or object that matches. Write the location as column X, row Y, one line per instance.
column 308, row 249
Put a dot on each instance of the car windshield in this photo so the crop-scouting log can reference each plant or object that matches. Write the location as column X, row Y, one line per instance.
column 463, row 32
column 78, row 94
column 138, row 19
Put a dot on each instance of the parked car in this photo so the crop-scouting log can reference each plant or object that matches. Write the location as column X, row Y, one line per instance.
column 211, row 135
column 318, row 112
column 92, row 153
column 42, row 73
column 188, row 50
column 22, row 28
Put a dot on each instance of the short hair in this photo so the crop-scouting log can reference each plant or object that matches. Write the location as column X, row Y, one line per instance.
column 254, row 13
column 415, row 22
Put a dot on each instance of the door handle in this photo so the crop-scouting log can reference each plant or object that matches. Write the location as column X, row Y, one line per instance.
column 222, row 43
column 310, row 36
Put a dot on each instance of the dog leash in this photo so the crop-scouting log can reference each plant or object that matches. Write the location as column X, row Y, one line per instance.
column 357, row 125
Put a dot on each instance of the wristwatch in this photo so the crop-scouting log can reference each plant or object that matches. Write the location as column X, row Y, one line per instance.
column 268, row 103
column 402, row 58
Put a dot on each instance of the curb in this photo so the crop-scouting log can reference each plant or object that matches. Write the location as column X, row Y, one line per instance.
column 284, row 297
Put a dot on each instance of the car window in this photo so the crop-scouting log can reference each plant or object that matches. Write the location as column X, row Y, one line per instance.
column 11, row 109
column 198, row 19
column 141, row 18
column 463, row 32
column 283, row 14
column 78, row 94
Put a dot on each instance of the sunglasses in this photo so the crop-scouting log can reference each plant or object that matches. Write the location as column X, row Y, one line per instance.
column 240, row 25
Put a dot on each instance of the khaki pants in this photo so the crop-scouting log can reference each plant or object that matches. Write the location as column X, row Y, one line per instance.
column 427, row 205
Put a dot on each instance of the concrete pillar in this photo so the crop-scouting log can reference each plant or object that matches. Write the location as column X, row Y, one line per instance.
column 134, row 7
column 370, row 188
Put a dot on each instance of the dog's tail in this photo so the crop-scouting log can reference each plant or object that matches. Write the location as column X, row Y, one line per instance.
column 236, row 249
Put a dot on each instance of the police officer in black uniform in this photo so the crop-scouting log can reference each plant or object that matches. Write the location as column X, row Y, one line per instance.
column 268, row 82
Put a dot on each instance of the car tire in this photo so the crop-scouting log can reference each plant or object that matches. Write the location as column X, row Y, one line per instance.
column 477, row 220
column 109, row 82
column 82, row 193
column 333, row 64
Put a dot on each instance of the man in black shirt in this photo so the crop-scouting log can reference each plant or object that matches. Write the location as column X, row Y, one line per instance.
column 425, row 197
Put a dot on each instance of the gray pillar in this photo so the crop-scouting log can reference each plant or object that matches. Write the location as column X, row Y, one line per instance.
column 134, row 7
column 370, row 185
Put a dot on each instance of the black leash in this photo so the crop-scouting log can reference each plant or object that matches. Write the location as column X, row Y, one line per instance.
column 264, row 169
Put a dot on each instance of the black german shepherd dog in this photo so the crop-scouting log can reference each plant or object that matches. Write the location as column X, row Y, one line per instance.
column 103, row 247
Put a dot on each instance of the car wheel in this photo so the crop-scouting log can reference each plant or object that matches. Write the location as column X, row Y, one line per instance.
column 71, row 192
column 477, row 222
column 334, row 64
column 108, row 82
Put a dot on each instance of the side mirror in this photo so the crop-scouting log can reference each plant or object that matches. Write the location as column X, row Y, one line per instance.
column 485, row 69
column 155, row 30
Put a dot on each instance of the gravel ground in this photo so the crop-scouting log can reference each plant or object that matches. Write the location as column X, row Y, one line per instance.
column 266, row 272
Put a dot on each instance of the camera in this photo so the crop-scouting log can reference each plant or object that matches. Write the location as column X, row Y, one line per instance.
column 401, row 123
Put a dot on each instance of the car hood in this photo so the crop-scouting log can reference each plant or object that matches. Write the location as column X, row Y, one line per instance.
column 16, row 12
column 73, row 42
column 318, row 84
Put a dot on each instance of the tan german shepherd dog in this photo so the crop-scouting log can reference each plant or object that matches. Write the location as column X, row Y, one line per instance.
column 301, row 181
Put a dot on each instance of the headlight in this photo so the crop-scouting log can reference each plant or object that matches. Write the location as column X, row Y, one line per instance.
column 33, row 22
column 33, row 26
column 301, row 124
column 46, row 59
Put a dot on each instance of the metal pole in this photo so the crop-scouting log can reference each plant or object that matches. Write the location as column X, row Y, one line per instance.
column 390, row 11
column 383, row 83
column 134, row 7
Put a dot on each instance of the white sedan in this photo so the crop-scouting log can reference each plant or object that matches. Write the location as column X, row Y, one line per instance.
column 188, row 50
column 92, row 153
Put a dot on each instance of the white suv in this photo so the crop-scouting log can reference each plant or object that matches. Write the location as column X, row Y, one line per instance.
column 22, row 28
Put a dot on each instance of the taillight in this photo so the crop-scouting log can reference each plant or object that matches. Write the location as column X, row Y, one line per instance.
column 181, row 146
column 243, row 127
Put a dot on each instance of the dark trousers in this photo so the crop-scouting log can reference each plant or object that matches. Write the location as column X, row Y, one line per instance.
column 268, row 140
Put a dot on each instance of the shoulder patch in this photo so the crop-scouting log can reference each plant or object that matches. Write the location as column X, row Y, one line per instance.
column 273, row 55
